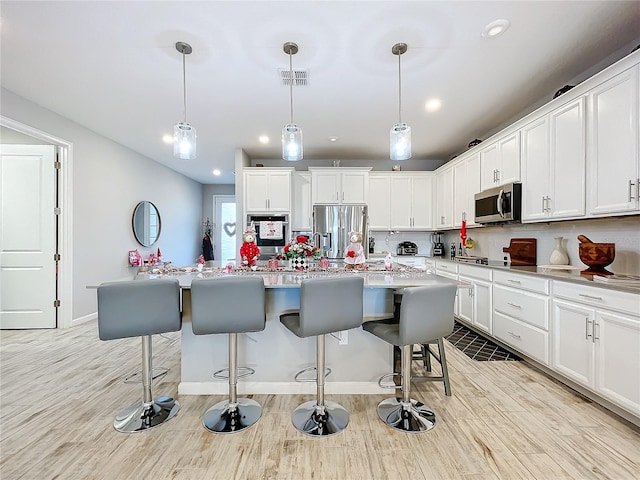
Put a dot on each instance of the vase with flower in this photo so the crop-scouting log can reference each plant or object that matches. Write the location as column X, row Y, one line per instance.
column 299, row 252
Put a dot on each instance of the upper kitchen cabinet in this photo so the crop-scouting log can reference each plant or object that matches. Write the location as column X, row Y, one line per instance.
column 379, row 201
column 500, row 162
column 401, row 201
column 553, row 164
column 613, row 164
column 339, row 185
column 444, row 198
column 301, row 201
column 267, row 189
column 466, row 183
column 411, row 201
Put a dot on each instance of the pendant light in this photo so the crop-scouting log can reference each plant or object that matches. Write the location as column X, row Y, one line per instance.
column 184, row 135
column 400, row 135
column 291, row 133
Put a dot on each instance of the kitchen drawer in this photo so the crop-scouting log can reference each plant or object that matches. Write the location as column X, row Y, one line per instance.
column 598, row 297
column 481, row 273
column 445, row 266
column 529, row 340
column 525, row 282
column 527, row 307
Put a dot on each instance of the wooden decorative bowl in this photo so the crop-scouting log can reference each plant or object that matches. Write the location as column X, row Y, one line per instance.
column 597, row 256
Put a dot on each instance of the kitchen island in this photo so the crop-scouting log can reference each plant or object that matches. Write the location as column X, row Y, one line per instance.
column 356, row 357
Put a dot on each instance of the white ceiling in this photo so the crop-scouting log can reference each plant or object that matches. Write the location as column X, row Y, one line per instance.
column 113, row 67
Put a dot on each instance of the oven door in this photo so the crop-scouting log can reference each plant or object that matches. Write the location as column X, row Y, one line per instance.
column 271, row 230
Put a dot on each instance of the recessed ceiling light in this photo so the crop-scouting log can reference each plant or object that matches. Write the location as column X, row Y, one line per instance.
column 263, row 139
column 333, row 139
column 496, row 28
column 433, row 104
column 216, row 172
column 167, row 138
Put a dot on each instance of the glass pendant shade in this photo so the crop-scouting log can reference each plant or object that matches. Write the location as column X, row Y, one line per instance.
column 184, row 141
column 292, row 143
column 400, row 142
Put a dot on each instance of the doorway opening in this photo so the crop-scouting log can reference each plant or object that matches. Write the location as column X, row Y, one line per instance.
column 225, row 228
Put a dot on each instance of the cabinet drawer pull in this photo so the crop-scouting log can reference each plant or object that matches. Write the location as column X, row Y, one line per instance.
column 591, row 297
column 514, row 335
column 514, row 305
column 517, row 282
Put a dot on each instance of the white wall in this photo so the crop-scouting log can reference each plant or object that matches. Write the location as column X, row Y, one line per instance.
column 108, row 182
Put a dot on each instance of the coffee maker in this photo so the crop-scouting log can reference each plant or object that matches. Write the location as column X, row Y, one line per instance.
column 438, row 249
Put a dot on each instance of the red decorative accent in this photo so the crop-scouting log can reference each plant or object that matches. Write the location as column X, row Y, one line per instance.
column 302, row 239
column 351, row 253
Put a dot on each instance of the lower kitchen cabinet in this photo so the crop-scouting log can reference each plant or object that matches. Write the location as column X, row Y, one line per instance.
column 475, row 304
column 597, row 347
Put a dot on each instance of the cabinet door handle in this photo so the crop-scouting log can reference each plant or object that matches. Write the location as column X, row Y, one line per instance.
column 517, row 282
column 543, row 207
column 596, row 336
column 514, row 335
column 498, row 175
column 587, row 324
column 591, row 297
column 514, row 305
column 343, row 196
column 631, row 184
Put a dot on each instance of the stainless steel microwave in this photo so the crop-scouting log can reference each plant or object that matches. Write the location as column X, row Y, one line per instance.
column 499, row 204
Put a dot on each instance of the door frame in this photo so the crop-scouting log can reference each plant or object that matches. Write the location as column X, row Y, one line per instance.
column 64, row 150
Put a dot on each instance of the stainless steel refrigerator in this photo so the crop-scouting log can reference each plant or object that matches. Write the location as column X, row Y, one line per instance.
column 332, row 225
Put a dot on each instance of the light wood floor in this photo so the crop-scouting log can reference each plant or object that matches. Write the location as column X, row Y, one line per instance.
column 61, row 388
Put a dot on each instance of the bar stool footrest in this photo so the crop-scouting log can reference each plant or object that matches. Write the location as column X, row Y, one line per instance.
column 327, row 372
column 156, row 372
column 385, row 377
column 223, row 374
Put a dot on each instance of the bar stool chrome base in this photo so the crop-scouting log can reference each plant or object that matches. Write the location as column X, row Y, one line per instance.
column 314, row 420
column 227, row 417
column 141, row 417
column 411, row 417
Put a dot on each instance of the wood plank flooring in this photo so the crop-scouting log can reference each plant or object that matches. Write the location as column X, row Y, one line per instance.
column 59, row 391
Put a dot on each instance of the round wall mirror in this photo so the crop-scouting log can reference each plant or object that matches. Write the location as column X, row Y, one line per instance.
column 146, row 223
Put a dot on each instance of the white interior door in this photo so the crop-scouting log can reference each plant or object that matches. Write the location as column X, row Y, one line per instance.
column 27, row 236
column 224, row 248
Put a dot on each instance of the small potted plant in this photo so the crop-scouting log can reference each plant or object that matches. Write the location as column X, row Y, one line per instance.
column 299, row 251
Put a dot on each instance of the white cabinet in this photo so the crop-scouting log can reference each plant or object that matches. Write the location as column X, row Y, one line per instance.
column 379, row 201
column 597, row 347
column 301, row 201
column 267, row 190
column 339, row 185
column 475, row 304
column 553, row 164
column 411, row 201
column 613, row 158
column 449, row 269
column 466, row 183
column 521, row 313
column 444, row 198
column 500, row 162
column 401, row 201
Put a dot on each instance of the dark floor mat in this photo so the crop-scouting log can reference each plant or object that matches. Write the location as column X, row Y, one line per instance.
column 476, row 346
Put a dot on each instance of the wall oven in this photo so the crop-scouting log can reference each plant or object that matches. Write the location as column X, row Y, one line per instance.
column 499, row 205
column 272, row 233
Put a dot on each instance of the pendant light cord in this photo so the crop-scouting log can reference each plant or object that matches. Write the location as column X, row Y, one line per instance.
column 184, row 86
column 291, row 84
column 399, row 90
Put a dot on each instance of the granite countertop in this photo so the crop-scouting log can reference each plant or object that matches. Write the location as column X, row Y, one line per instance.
column 571, row 274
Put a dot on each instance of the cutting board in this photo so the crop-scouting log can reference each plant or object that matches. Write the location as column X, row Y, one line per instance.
column 523, row 251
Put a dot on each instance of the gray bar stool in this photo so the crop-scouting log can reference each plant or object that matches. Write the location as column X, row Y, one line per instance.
column 327, row 305
column 426, row 315
column 141, row 309
column 229, row 305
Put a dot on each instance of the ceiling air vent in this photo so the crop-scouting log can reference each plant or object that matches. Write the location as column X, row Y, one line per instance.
column 300, row 77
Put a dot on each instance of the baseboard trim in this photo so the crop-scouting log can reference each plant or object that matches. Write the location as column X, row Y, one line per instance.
column 85, row 319
column 282, row 388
